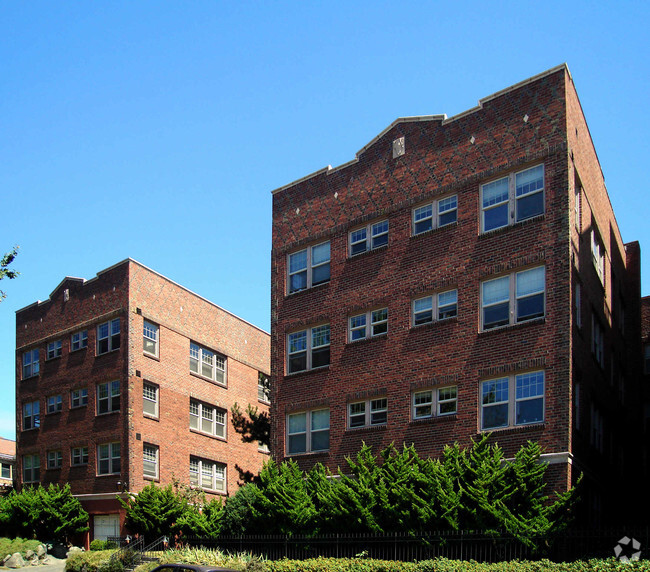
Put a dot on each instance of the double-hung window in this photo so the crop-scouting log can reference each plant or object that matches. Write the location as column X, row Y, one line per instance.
column 308, row 349
column 369, row 325
column 79, row 340
column 511, row 199
column 207, row 363
column 367, row 413
column 263, row 388
column 150, row 461
column 54, row 459
column 108, row 397
column 597, row 340
column 108, row 336
column 598, row 255
column 5, row 471
column 54, row 403
column 54, row 349
column 513, row 400
column 150, row 338
column 309, row 267
column 31, row 415
column 31, row 468
column 79, row 397
column 150, row 399
column 514, row 298
column 108, row 459
column 79, row 456
column 369, row 237
column 207, row 474
column 435, row 307
column 435, row 402
column 208, row 419
column 30, row 364
column 435, row 214
column 308, row 431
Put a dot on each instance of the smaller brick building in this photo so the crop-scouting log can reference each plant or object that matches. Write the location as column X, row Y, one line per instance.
column 7, row 464
column 127, row 379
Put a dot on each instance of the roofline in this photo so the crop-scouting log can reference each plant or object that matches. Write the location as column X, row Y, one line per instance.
column 442, row 118
column 132, row 261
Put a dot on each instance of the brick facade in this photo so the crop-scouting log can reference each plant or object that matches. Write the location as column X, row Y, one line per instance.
column 535, row 126
column 133, row 294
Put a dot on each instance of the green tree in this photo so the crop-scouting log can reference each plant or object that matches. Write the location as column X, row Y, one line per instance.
column 5, row 272
column 154, row 512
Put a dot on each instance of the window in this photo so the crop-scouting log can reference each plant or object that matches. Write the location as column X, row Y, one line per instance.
column 369, row 237
column 208, row 419
column 207, row 363
column 576, row 207
column 512, row 299
column 54, row 459
column 576, row 406
column 513, row 400
column 54, row 404
column 435, row 307
column 598, row 256
column 108, row 336
column 308, row 431
column 646, row 359
column 578, row 305
column 5, row 470
column 263, row 388
column 309, row 349
column 207, row 474
column 30, row 364
column 369, row 412
column 150, row 399
column 435, row 402
column 512, row 199
column 596, row 428
column 435, row 214
column 108, row 397
column 31, row 415
column 31, row 468
column 79, row 341
column 150, row 461
column 79, row 456
column 150, row 338
column 597, row 340
column 79, row 397
column 378, row 320
column 54, row 349
column 108, row 459
column 309, row 267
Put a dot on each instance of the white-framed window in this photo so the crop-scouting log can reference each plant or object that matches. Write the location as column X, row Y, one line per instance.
column 369, row 237
column 79, row 397
column 31, row 415
column 108, row 459
column 517, row 297
column 30, row 363
column 368, row 412
column 31, row 468
column 263, row 448
column 207, row 475
column 646, row 359
column 54, row 404
column 150, row 399
column 150, row 332
column 578, row 305
column 597, row 340
column 309, row 267
column 54, row 349
column 207, row 419
column 435, row 214
column 308, row 431
column 150, row 460
column 512, row 400
column 598, row 255
column 79, row 456
column 308, row 349
column 435, row 402
column 79, row 340
column 108, row 336
column 263, row 388
column 435, row 307
column 5, row 471
column 369, row 325
column 512, row 199
column 108, row 397
column 207, row 363
column 54, row 459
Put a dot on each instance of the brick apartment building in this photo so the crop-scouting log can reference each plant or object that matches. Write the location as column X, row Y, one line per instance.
column 7, row 465
column 460, row 276
column 128, row 379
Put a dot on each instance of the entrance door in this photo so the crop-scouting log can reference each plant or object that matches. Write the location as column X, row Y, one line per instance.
column 106, row 525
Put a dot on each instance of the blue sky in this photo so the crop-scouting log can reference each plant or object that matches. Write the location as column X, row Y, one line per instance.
column 156, row 130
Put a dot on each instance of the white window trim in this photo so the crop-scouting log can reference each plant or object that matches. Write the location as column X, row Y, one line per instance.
column 156, row 460
column 54, row 459
column 218, row 365
column 309, row 268
column 81, row 341
column 373, row 232
column 308, row 432
column 147, row 399
column 110, row 397
column 33, row 416
column 113, row 341
column 80, row 453
column 436, row 215
column 213, row 465
column 54, row 349
column 309, row 349
column 151, row 336
column 111, row 458
column 33, row 364
column 372, row 322
column 372, row 406
column 436, row 307
column 263, row 388
column 58, row 404
column 215, row 413
column 434, row 403
column 35, row 466
column 81, row 399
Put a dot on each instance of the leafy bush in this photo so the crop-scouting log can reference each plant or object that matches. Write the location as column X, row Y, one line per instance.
column 10, row 546
column 87, row 561
column 98, row 544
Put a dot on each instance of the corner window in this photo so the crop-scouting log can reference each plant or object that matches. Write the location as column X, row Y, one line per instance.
column 263, row 388
column 435, row 214
column 369, row 325
column 150, row 461
column 30, row 364
column 369, row 237
column 435, row 307
column 207, row 419
column 308, row 349
column 513, row 400
column 367, row 413
column 150, row 399
column 207, row 474
column 108, row 459
column 435, row 402
column 308, row 431
column 309, row 267
column 31, row 468
column 207, row 363
column 512, row 299
column 108, row 397
column 54, row 404
column 79, row 341
column 512, row 199
column 54, row 349
column 150, row 338
column 79, row 397
column 79, row 456
column 54, row 459
column 31, row 415
column 108, row 336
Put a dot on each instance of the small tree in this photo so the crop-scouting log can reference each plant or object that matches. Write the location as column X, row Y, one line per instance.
column 154, row 512
column 5, row 261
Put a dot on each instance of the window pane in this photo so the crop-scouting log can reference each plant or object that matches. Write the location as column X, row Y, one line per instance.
column 320, row 440
column 495, row 290
column 298, row 362
column 495, row 217
column 495, row 391
column 321, row 274
column 320, row 336
column 320, row 419
column 320, row 357
column 495, row 192
column 530, row 206
column 498, row 315
column 530, row 180
column 298, row 443
column 298, row 423
column 495, row 416
column 530, row 281
column 530, row 411
column 530, row 307
column 320, row 253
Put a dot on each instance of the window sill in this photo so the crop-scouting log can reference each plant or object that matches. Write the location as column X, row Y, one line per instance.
column 107, row 353
column 107, row 475
column 434, row 419
column 534, row 321
column 203, row 377
column 30, row 429
column 307, row 371
column 310, row 454
column 107, row 413
column 501, row 229
column 264, row 401
column 367, row 428
column 367, row 252
column 75, row 407
column 151, row 479
column 514, row 429
column 79, row 350
column 151, row 417
column 435, row 323
column 298, row 292
column 51, row 359
column 53, row 468
column 368, row 339
column 78, row 466
column 435, row 230
column 151, row 356
column 36, row 376
column 50, row 413
column 215, row 437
